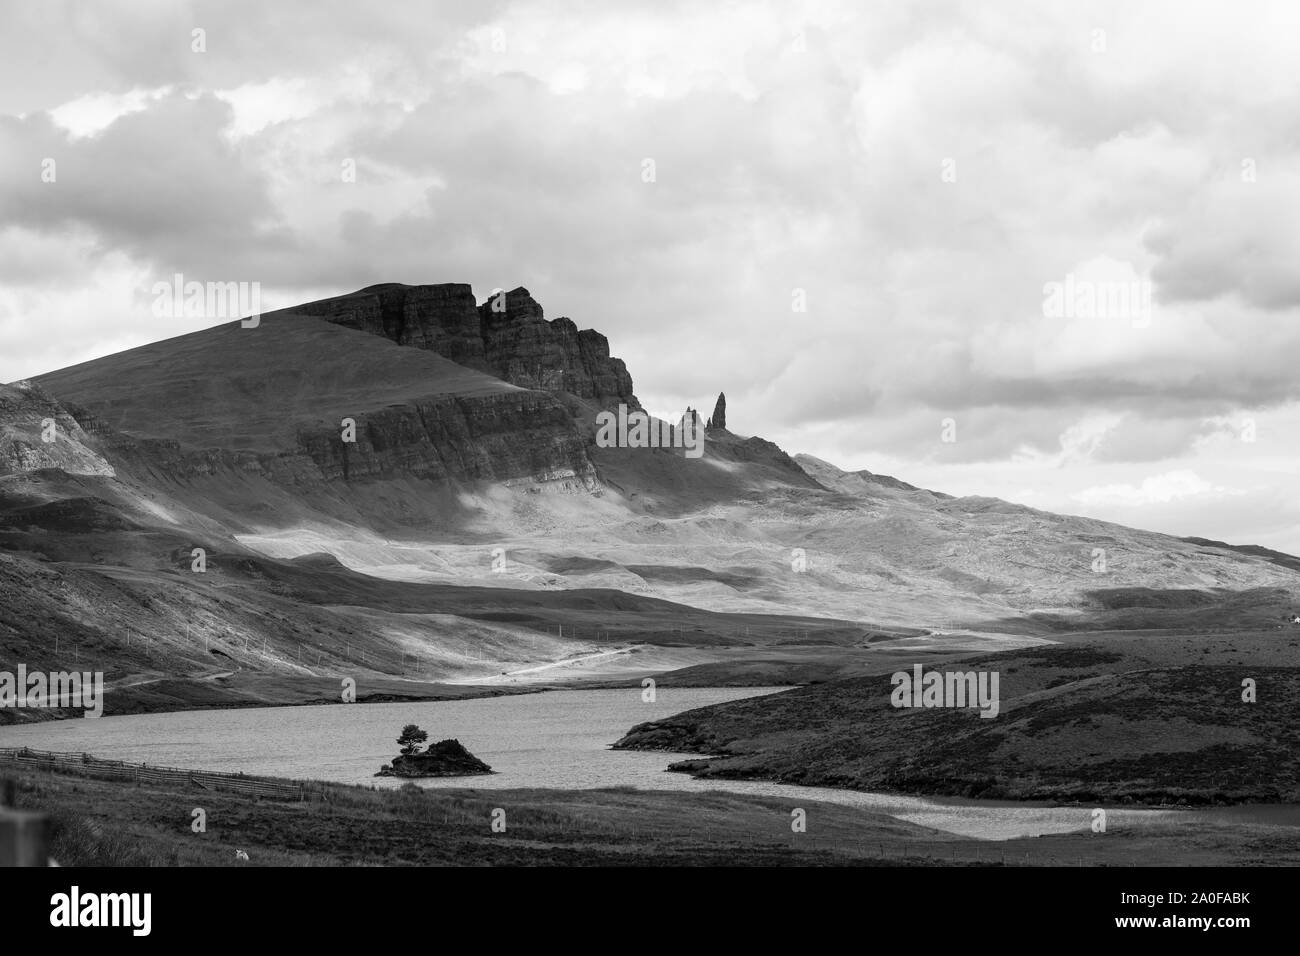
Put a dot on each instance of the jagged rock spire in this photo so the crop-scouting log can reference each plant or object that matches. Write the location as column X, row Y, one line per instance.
column 719, row 419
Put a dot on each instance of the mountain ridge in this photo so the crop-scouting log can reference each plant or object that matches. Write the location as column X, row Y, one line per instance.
column 469, row 488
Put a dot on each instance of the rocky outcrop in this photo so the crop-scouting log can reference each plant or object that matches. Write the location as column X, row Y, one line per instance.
column 526, row 350
column 719, row 417
column 37, row 433
column 507, row 336
column 446, row 758
column 441, row 318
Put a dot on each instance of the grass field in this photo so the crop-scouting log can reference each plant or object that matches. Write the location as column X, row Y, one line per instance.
column 1154, row 719
column 119, row 823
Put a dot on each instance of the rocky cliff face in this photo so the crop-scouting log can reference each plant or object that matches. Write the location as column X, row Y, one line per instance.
column 510, row 438
column 503, row 438
column 527, row 350
column 28, row 417
column 508, row 336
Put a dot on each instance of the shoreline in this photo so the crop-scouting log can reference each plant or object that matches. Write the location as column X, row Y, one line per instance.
column 937, row 797
column 116, row 823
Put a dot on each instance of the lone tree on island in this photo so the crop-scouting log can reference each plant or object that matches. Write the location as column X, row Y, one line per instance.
column 412, row 737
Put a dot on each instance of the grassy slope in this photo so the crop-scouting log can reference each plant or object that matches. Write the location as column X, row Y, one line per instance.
column 285, row 632
column 1149, row 719
column 108, row 823
column 248, row 389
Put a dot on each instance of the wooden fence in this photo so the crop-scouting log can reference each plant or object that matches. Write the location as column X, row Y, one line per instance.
column 87, row 765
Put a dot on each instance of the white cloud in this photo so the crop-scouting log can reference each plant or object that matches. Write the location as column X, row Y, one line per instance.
column 798, row 145
column 1156, row 489
column 89, row 114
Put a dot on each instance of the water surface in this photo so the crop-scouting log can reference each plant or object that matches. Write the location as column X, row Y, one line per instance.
column 556, row 739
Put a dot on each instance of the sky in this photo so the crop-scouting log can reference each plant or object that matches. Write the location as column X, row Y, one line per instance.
column 1040, row 252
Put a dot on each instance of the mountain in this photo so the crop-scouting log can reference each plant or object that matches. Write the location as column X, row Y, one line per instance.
column 402, row 482
column 272, row 400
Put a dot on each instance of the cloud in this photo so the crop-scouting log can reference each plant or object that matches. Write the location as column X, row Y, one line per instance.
column 914, row 175
column 160, row 184
column 89, row 114
column 1157, row 489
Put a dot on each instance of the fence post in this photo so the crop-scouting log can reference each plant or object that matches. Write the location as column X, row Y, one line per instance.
column 24, row 838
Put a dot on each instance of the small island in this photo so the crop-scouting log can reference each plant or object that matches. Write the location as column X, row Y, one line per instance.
column 446, row 758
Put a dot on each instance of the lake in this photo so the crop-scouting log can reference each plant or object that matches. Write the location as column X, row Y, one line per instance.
column 557, row 739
